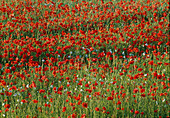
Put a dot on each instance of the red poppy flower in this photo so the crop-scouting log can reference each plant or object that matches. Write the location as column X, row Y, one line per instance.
column 97, row 109
column 35, row 101
column 140, row 69
column 41, row 91
column 118, row 103
column 104, row 108
column 64, row 109
column 86, row 85
column 110, row 98
column 24, row 101
column 83, row 116
column 6, row 109
column 84, row 105
column 33, row 84
column 135, row 90
column 132, row 111
column 150, row 63
column 7, row 106
column 143, row 95
column 67, row 78
column 136, row 112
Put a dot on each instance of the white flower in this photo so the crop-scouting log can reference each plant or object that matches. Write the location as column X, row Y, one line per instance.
column 163, row 100
column 148, row 56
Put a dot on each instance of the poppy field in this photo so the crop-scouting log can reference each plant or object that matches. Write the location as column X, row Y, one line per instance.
column 84, row 59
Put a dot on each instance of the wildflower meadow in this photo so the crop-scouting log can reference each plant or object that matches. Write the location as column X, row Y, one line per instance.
column 84, row 59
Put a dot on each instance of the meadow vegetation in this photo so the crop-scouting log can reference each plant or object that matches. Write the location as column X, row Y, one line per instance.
column 79, row 59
